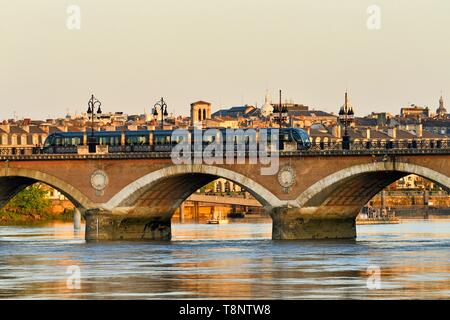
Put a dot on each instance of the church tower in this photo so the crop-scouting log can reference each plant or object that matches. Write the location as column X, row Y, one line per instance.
column 441, row 112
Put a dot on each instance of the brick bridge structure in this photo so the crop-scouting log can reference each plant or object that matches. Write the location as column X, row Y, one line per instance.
column 133, row 196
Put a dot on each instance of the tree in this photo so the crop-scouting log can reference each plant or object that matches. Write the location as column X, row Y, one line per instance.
column 31, row 199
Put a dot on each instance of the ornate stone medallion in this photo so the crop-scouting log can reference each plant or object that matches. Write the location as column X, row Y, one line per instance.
column 286, row 178
column 99, row 181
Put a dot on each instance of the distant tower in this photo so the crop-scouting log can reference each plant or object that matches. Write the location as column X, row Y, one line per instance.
column 200, row 111
column 267, row 108
column 441, row 111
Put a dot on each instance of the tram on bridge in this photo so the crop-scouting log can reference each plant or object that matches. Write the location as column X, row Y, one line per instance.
column 290, row 139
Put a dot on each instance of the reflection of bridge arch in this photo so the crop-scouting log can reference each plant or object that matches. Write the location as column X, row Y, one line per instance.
column 347, row 191
column 164, row 190
column 13, row 180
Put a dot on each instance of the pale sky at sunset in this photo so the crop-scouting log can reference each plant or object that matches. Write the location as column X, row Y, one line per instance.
column 130, row 53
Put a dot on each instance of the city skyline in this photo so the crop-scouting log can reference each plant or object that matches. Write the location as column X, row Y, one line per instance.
column 149, row 109
column 226, row 53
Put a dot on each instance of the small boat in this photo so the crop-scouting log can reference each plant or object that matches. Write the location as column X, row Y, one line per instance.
column 216, row 219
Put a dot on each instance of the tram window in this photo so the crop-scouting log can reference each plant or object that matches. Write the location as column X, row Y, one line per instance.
column 284, row 136
column 162, row 140
column 159, row 140
column 136, row 140
column 297, row 136
column 142, row 139
column 112, row 141
column 304, row 136
column 74, row 141
column 180, row 139
column 57, row 141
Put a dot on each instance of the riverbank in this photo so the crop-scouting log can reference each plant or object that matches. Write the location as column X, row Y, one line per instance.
column 30, row 218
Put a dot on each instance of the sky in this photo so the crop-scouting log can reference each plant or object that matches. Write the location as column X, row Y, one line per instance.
column 130, row 53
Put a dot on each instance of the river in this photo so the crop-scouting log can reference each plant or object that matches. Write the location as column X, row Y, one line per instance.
column 233, row 261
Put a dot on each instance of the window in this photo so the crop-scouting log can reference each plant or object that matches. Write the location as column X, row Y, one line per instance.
column 23, row 139
column 35, row 139
column 111, row 140
column 14, row 139
column 284, row 136
column 4, row 139
column 136, row 140
column 162, row 140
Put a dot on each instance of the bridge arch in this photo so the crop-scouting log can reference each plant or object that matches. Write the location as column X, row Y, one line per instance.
column 347, row 191
column 13, row 180
column 165, row 189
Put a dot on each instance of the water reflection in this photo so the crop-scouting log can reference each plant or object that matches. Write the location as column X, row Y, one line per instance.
column 227, row 261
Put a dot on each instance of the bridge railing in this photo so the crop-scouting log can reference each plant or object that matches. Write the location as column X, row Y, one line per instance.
column 331, row 148
column 20, row 150
column 385, row 145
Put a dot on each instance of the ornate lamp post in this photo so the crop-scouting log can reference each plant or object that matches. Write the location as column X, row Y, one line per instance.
column 346, row 117
column 93, row 102
column 161, row 104
column 282, row 111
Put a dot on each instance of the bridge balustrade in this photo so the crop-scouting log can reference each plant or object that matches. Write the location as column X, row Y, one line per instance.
column 410, row 146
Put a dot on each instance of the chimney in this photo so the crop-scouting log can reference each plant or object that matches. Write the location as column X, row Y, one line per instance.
column 392, row 132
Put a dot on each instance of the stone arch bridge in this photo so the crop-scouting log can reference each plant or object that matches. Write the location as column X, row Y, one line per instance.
column 314, row 195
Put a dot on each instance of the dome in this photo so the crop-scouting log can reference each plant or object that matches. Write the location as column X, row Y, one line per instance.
column 267, row 108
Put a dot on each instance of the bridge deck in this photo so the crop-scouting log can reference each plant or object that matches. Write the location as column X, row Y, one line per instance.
column 167, row 155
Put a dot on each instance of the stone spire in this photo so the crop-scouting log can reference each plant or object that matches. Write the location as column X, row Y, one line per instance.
column 346, row 108
column 441, row 111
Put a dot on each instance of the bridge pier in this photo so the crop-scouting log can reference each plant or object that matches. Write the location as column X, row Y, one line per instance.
column 291, row 224
column 76, row 219
column 106, row 225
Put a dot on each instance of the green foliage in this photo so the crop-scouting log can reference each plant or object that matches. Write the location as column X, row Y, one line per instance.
column 32, row 199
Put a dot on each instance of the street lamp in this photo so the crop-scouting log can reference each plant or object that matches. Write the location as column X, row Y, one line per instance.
column 346, row 117
column 161, row 104
column 93, row 102
column 281, row 110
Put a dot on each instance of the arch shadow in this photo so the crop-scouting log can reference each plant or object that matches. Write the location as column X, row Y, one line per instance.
column 13, row 180
column 164, row 190
column 351, row 188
